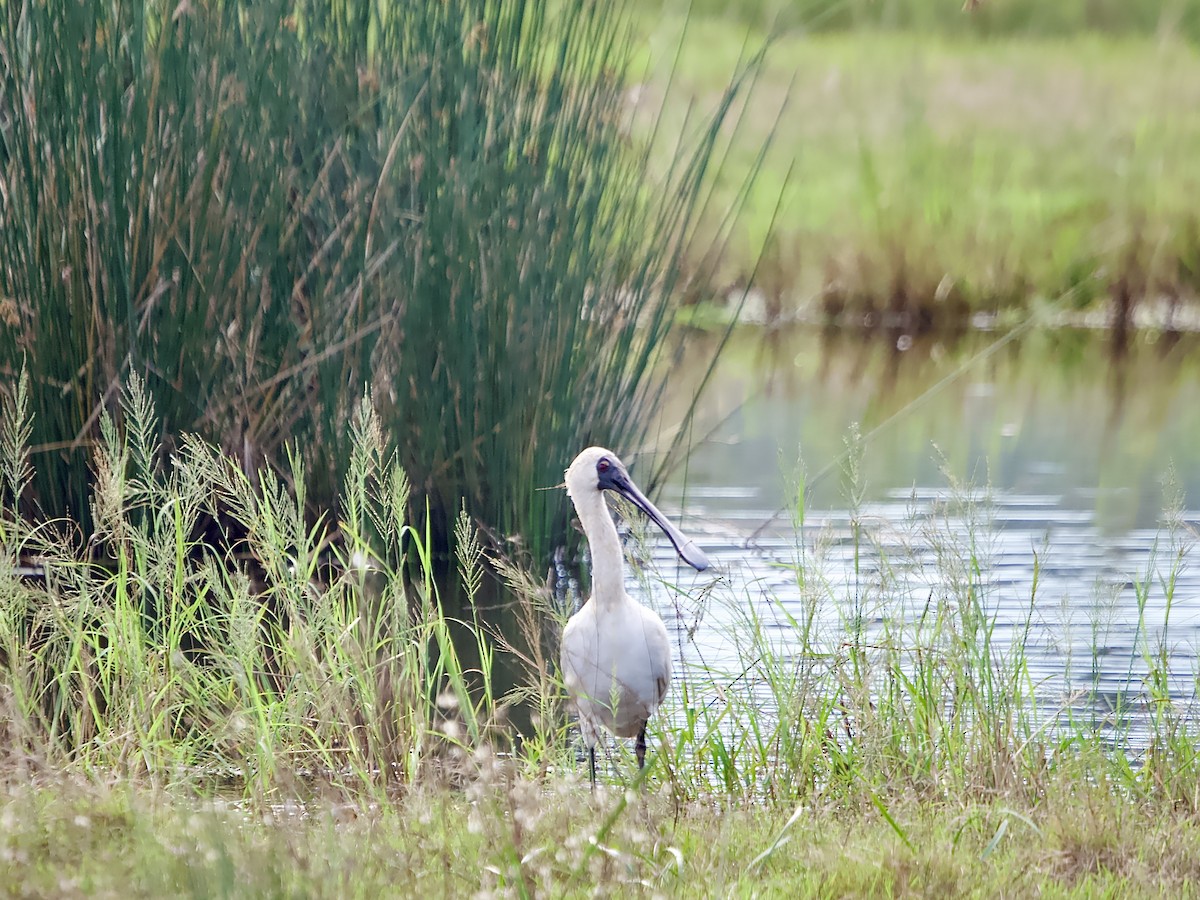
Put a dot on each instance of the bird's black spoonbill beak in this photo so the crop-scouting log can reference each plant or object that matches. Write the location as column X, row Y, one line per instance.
column 613, row 477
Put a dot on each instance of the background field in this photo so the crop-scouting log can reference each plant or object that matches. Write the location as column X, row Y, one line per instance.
column 946, row 169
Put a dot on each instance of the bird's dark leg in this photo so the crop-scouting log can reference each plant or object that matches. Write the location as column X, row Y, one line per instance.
column 592, row 754
column 640, row 747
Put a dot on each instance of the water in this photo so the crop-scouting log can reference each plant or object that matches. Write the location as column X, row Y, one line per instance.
column 1079, row 466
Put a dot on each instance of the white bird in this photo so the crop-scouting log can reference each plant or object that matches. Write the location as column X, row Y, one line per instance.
column 616, row 655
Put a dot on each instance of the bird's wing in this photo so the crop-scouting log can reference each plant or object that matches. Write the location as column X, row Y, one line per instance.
column 567, row 653
column 658, row 644
column 578, row 652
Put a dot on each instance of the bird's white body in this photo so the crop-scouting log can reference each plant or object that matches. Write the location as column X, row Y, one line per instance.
column 616, row 653
column 616, row 660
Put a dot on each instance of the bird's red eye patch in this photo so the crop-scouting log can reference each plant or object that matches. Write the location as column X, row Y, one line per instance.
column 604, row 465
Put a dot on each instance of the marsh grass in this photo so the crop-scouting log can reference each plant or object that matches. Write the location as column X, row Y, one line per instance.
column 263, row 214
column 296, row 653
column 894, row 674
column 293, row 713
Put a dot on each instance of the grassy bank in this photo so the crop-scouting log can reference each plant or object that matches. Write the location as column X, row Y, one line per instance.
column 931, row 176
column 66, row 839
column 291, row 715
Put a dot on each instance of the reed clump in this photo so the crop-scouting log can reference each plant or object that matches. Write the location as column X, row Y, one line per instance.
column 263, row 213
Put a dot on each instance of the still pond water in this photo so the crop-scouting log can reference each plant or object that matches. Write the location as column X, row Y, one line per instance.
column 1075, row 458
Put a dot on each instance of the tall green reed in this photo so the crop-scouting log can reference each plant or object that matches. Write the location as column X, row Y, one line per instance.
column 263, row 212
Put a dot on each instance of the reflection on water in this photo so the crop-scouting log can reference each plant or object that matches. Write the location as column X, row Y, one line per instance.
column 1071, row 459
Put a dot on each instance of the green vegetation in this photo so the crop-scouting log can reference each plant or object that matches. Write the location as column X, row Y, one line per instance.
column 973, row 17
column 261, row 264
column 175, row 662
column 69, row 839
column 293, row 717
column 265, row 212
column 463, row 227
column 924, row 177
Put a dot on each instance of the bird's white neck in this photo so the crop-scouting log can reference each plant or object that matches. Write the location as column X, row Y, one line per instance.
column 608, row 563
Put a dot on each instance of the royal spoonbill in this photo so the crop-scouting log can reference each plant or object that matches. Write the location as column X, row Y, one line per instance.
column 616, row 655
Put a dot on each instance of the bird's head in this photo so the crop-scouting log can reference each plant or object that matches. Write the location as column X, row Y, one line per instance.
column 596, row 469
